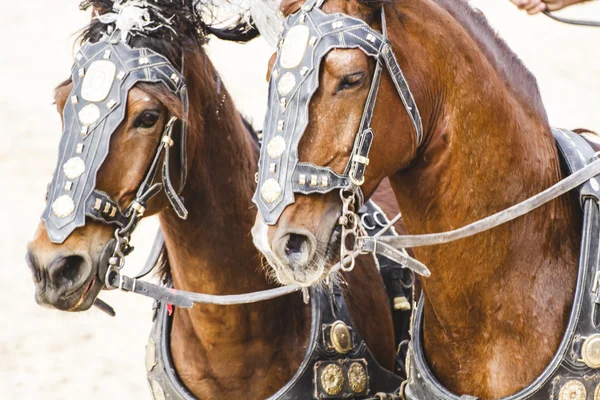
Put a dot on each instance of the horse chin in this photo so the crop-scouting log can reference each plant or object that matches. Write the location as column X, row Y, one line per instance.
column 304, row 277
column 82, row 299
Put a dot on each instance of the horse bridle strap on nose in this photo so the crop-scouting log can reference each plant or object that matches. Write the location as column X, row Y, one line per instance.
column 308, row 36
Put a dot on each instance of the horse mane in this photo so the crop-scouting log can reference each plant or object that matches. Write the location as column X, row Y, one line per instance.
column 505, row 61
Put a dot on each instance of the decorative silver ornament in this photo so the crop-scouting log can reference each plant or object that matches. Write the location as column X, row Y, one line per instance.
column 270, row 190
column 63, row 206
column 74, row 167
column 286, row 84
column 294, row 46
column 276, row 146
column 89, row 114
column 98, row 81
column 157, row 391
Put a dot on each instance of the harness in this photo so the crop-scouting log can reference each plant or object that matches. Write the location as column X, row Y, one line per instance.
column 574, row 372
column 337, row 363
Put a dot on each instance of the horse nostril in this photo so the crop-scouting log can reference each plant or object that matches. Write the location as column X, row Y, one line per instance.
column 68, row 269
column 295, row 244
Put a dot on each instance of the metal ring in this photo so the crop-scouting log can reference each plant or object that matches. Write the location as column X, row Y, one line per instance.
column 378, row 221
column 343, row 263
column 356, row 182
column 111, row 268
column 412, row 281
column 363, row 220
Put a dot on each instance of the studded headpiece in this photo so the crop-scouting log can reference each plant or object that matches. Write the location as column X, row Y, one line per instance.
column 308, row 36
column 102, row 75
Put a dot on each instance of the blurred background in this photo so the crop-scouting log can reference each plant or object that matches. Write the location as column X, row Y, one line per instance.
column 53, row 355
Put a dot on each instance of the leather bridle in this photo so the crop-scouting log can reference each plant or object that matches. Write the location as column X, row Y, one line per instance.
column 102, row 76
column 308, row 36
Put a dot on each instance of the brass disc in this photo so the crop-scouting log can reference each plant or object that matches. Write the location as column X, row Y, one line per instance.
column 332, row 379
column 340, row 337
column 357, row 377
column 590, row 351
column 572, row 390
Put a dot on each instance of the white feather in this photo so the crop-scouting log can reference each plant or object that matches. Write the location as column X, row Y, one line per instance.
column 268, row 19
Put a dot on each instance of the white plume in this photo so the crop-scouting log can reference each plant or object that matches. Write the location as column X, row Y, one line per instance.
column 268, row 19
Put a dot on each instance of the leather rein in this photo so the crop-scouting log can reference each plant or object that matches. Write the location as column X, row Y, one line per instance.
column 594, row 24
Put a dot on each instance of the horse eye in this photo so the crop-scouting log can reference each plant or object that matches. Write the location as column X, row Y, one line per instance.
column 352, row 80
column 147, row 119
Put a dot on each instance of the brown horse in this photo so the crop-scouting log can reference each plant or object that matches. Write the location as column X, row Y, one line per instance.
column 229, row 352
column 497, row 304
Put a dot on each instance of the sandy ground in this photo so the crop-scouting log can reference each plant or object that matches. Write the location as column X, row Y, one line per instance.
column 53, row 355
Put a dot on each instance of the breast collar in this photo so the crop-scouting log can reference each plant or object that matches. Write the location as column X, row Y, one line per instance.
column 574, row 372
column 102, row 75
column 308, row 36
column 325, row 372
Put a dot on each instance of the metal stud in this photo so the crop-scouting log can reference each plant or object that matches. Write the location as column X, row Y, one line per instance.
column 98, row 204
column 280, row 125
column 325, row 181
column 63, row 206
column 144, row 60
column 337, row 24
column 68, row 186
column 304, row 71
column 286, row 84
column 272, row 168
column 174, row 77
column 81, row 72
column 107, row 54
column 371, row 38
column 111, row 104
column 113, row 212
column 106, row 208
column 74, row 100
column 302, row 179
column 89, row 114
column 84, row 130
column 302, row 18
column 276, row 147
column 312, row 40
column 121, row 75
column 275, row 73
column 259, row 135
column 78, row 56
column 283, row 103
column 270, row 191
column 79, row 148
column 313, row 180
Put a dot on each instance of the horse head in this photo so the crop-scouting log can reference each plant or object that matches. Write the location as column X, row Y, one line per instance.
column 324, row 80
column 123, row 110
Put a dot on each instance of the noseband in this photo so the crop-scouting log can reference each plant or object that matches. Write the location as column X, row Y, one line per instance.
column 308, row 36
column 103, row 74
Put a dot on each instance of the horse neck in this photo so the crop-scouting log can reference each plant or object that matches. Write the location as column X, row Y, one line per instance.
column 487, row 147
column 211, row 252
